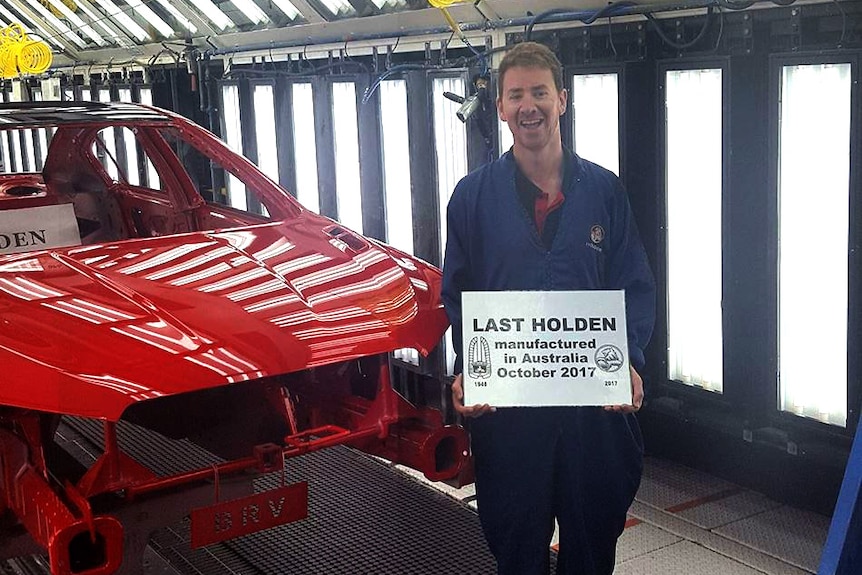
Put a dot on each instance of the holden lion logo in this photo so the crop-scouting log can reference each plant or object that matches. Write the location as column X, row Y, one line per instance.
column 609, row 358
column 479, row 358
column 597, row 234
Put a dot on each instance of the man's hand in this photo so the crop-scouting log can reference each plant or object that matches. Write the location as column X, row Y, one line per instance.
column 637, row 395
column 458, row 400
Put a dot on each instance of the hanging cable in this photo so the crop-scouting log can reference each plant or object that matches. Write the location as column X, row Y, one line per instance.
column 613, row 9
column 443, row 6
column 843, row 23
column 736, row 4
column 369, row 91
column 677, row 45
column 720, row 29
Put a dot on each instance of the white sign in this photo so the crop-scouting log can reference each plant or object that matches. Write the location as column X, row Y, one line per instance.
column 532, row 348
column 40, row 228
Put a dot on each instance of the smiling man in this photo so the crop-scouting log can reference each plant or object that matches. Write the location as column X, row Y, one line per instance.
column 540, row 219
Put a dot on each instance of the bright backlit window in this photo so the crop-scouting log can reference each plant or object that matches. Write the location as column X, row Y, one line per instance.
column 304, row 143
column 450, row 142
column 396, row 164
column 506, row 138
column 346, row 134
column 131, row 145
column 595, row 102
column 153, row 180
column 15, row 138
column 42, row 135
column 813, row 240
column 264, row 119
column 694, row 274
column 110, row 140
column 233, row 137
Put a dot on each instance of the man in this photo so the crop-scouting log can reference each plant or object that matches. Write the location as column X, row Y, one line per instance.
column 541, row 218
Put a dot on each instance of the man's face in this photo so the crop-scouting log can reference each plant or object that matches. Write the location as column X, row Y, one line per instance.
column 531, row 106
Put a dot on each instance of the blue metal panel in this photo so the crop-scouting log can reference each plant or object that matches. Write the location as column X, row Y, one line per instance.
column 841, row 554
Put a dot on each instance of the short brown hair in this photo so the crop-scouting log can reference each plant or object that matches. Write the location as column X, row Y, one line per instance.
column 530, row 55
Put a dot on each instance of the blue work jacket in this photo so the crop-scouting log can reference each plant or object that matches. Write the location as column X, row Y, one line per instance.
column 493, row 244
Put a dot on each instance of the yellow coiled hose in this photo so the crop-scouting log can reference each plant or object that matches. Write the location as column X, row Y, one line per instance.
column 21, row 55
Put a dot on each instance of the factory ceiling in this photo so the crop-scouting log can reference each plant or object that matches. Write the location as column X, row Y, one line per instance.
column 140, row 31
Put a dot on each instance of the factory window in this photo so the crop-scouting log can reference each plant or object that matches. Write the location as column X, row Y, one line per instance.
column 13, row 157
column 209, row 178
column 813, row 211
column 346, row 136
column 595, row 103
column 5, row 143
column 146, row 95
column 4, row 148
column 108, row 137
column 506, row 138
column 128, row 171
column 43, row 136
column 130, row 143
column 232, row 135
column 29, row 150
column 264, row 119
column 396, row 164
column 450, row 142
column 304, row 146
column 693, row 196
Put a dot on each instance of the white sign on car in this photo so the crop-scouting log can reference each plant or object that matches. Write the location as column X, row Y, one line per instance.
column 38, row 228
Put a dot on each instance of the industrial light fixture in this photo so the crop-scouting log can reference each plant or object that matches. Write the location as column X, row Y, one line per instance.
column 151, row 17
column 338, row 6
column 471, row 103
column 42, row 33
column 76, row 20
column 287, row 7
column 251, row 10
column 57, row 23
column 172, row 10
column 109, row 139
column 381, row 3
column 98, row 20
column 125, row 21
column 216, row 16
column 129, row 142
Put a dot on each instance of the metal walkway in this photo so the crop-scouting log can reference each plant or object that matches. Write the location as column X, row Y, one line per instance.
column 365, row 517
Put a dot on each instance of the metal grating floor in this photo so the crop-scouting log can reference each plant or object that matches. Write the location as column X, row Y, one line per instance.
column 365, row 517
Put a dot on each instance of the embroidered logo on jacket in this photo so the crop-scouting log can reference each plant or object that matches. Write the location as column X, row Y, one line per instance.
column 597, row 235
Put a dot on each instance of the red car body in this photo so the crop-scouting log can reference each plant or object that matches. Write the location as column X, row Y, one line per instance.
column 260, row 333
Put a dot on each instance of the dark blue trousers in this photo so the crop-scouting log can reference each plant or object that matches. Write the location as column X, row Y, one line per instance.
column 580, row 465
